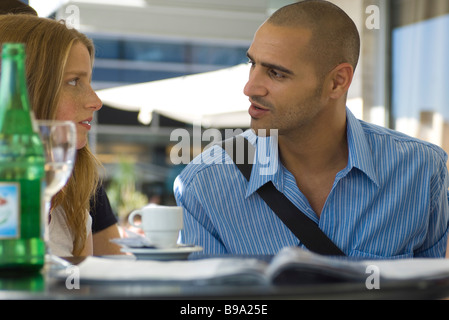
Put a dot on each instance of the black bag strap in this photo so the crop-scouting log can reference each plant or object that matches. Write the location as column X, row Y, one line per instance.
column 306, row 230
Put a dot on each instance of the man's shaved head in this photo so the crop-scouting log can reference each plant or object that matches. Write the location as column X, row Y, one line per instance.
column 335, row 38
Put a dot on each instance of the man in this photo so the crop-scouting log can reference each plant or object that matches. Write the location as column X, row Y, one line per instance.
column 374, row 192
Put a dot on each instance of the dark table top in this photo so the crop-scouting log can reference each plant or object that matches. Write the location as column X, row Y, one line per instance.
column 44, row 286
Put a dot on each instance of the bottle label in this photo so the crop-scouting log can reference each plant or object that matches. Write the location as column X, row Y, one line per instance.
column 9, row 210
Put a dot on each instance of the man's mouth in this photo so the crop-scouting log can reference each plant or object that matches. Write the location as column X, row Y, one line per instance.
column 256, row 111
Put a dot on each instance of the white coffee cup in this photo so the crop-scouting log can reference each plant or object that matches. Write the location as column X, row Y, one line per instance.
column 161, row 224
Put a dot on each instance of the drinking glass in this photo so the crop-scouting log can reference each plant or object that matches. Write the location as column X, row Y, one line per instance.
column 59, row 141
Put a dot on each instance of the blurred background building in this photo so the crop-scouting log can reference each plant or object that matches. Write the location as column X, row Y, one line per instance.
column 398, row 84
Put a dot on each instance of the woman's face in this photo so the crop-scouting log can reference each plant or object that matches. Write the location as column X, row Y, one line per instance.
column 78, row 100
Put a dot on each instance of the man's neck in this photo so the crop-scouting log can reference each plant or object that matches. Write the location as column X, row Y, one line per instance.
column 316, row 150
column 314, row 159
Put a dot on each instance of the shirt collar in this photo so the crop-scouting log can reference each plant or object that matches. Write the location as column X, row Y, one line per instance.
column 360, row 154
column 268, row 167
column 266, row 163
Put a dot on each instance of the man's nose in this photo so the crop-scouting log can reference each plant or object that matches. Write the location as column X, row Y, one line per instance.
column 255, row 85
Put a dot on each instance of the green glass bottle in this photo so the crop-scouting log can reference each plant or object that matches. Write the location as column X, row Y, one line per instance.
column 22, row 173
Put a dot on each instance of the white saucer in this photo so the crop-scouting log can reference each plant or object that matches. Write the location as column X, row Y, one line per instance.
column 179, row 253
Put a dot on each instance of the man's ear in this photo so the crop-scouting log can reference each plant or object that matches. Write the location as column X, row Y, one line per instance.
column 339, row 80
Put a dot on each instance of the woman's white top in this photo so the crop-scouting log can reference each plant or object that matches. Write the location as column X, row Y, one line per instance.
column 61, row 239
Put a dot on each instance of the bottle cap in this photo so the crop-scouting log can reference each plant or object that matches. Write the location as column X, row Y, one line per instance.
column 13, row 49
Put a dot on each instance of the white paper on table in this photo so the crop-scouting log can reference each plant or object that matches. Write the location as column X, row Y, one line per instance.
column 294, row 261
column 110, row 269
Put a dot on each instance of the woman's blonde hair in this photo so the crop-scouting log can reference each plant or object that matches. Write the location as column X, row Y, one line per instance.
column 48, row 43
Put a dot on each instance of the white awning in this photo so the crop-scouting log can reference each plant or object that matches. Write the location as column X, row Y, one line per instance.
column 211, row 99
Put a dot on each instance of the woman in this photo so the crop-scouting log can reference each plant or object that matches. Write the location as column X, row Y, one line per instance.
column 59, row 69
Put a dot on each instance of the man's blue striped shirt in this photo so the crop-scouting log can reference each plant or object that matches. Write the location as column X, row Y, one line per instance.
column 390, row 201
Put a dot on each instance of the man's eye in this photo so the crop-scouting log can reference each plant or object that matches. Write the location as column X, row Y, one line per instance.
column 276, row 74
